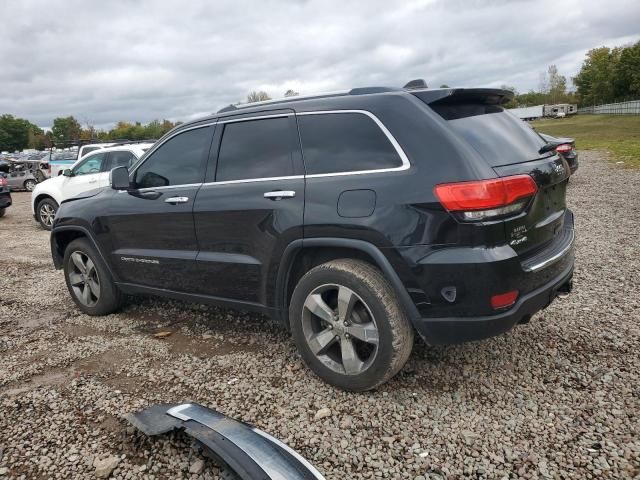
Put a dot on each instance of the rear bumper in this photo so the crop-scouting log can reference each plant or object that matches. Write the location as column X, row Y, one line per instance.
column 452, row 287
column 438, row 331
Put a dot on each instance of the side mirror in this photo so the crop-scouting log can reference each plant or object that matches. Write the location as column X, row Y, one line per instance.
column 67, row 172
column 119, row 178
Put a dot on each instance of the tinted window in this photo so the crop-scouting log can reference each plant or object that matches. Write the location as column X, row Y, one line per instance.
column 91, row 164
column 344, row 142
column 499, row 136
column 255, row 149
column 178, row 161
column 121, row 159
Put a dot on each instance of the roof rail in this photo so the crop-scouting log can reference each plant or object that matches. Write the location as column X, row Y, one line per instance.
column 419, row 83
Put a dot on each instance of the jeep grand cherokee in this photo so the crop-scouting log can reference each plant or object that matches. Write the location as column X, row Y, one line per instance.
column 355, row 219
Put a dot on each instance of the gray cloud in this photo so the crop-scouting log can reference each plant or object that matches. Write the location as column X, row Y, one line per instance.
column 139, row 60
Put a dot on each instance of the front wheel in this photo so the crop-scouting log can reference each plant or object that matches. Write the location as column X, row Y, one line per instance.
column 89, row 280
column 30, row 185
column 46, row 212
column 349, row 326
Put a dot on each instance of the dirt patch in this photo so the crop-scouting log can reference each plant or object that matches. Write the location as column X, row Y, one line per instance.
column 53, row 378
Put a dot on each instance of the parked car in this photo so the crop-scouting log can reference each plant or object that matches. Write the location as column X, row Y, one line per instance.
column 88, row 173
column 21, row 176
column 565, row 147
column 5, row 194
column 355, row 219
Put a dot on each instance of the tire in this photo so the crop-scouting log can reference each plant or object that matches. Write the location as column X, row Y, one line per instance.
column 29, row 185
column 2, row 212
column 369, row 303
column 45, row 212
column 103, row 295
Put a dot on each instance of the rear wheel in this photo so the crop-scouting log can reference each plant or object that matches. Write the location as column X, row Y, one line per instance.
column 2, row 211
column 348, row 325
column 29, row 185
column 46, row 212
column 89, row 280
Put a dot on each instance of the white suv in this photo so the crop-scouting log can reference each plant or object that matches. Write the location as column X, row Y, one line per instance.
column 88, row 173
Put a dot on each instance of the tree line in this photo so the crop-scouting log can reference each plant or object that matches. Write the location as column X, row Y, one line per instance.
column 607, row 75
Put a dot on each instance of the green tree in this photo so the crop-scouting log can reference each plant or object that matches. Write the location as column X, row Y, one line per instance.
column 444, row 85
column 17, row 133
column 594, row 80
column 626, row 84
column 259, row 96
column 66, row 129
column 291, row 93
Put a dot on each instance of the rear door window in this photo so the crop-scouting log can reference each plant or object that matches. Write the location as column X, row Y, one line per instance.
column 344, row 142
column 255, row 149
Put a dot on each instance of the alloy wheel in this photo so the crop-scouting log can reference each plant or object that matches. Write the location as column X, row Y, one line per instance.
column 47, row 214
column 29, row 185
column 84, row 280
column 340, row 329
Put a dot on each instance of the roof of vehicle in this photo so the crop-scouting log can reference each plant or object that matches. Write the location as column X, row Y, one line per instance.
column 359, row 96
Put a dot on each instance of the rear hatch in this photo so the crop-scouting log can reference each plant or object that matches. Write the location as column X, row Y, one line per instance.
column 511, row 147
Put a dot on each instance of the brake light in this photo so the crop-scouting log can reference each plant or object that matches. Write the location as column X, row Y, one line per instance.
column 564, row 148
column 486, row 199
column 503, row 300
column 3, row 182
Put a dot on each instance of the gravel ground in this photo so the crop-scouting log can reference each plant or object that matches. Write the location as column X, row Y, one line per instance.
column 558, row 398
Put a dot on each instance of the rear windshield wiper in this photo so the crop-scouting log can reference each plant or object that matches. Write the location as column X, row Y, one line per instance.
column 548, row 147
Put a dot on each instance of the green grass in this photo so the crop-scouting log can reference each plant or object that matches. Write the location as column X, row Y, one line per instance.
column 617, row 134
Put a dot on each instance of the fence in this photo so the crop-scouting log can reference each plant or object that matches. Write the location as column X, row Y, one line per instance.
column 622, row 108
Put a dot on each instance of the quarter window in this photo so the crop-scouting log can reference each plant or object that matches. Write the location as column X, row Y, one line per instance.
column 91, row 164
column 255, row 149
column 178, row 161
column 344, row 142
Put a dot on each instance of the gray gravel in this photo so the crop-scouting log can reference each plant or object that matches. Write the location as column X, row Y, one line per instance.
column 558, row 398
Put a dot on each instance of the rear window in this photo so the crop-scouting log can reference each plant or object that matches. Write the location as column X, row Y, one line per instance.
column 499, row 136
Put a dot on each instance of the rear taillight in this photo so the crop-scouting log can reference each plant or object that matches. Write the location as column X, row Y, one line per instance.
column 564, row 148
column 3, row 182
column 487, row 199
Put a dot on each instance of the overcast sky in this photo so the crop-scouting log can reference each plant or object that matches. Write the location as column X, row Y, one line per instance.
column 104, row 61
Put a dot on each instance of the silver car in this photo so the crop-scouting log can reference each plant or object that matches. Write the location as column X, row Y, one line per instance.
column 22, row 180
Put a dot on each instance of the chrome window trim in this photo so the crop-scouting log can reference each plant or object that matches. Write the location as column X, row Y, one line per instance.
column 252, row 180
column 403, row 156
column 260, row 117
column 167, row 187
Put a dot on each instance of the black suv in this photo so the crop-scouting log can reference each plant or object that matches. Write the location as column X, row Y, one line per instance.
column 354, row 219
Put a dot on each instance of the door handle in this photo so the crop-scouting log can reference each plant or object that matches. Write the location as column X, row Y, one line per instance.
column 176, row 200
column 93, row 181
column 279, row 194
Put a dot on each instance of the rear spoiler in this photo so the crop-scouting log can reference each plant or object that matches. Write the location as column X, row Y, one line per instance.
column 486, row 96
